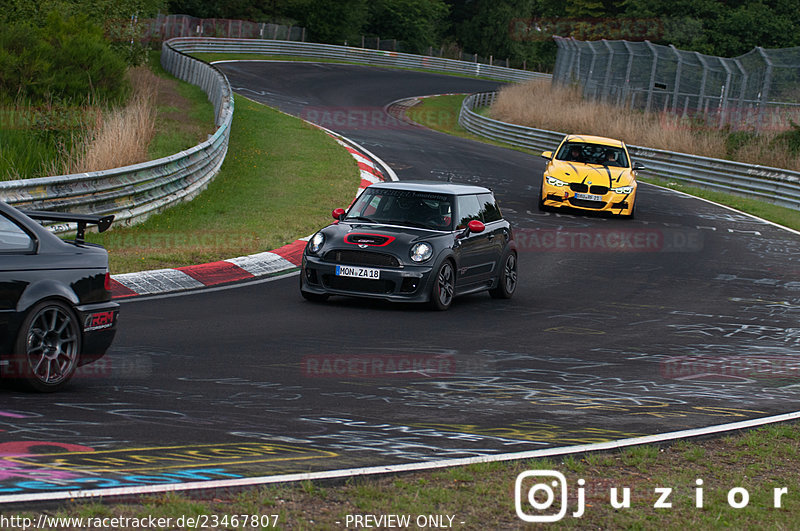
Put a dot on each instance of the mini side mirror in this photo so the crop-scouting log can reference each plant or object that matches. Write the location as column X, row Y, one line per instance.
column 476, row 226
column 338, row 214
column 473, row 226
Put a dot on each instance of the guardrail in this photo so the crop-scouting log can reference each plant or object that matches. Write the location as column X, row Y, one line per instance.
column 775, row 185
column 134, row 192
column 351, row 55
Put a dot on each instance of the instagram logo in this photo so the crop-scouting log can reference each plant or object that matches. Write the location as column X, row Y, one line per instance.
column 547, row 498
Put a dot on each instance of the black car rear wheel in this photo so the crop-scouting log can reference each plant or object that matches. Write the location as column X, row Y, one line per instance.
column 48, row 346
column 443, row 286
column 507, row 281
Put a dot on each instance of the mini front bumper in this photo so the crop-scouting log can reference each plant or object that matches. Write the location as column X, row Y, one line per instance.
column 562, row 196
column 409, row 283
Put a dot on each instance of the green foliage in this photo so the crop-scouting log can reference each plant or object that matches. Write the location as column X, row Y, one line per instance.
column 101, row 12
column 418, row 23
column 737, row 140
column 85, row 61
column 790, row 139
column 68, row 60
column 719, row 27
column 24, row 62
column 334, row 21
column 584, row 8
column 117, row 18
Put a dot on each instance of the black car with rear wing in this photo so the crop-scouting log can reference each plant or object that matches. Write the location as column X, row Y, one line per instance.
column 413, row 241
column 56, row 312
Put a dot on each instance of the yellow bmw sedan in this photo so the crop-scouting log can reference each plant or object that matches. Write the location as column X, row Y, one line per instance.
column 590, row 173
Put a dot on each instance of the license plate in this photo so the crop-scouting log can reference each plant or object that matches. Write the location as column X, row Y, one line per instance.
column 589, row 197
column 358, row 272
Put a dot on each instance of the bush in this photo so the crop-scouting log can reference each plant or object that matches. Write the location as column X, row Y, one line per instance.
column 737, row 140
column 23, row 63
column 67, row 61
column 790, row 140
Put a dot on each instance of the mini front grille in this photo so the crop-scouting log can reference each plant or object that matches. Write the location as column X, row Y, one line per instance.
column 358, row 285
column 362, row 258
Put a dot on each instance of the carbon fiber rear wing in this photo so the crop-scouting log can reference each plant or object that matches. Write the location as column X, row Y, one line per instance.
column 102, row 222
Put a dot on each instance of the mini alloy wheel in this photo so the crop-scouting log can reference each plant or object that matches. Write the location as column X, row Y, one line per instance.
column 443, row 286
column 507, row 282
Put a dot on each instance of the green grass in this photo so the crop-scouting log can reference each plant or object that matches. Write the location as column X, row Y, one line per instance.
column 430, row 112
column 774, row 213
column 32, row 140
column 179, row 126
column 482, row 495
column 440, row 113
column 268, row 193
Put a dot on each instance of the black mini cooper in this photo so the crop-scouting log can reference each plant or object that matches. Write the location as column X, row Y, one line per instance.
column 56, row 312
column 413, row 241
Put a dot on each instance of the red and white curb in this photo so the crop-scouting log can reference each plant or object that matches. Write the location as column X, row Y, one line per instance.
column 242, row 268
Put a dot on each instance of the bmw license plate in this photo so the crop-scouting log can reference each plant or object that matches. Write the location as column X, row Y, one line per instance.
column 589, row 197
column 358, row 272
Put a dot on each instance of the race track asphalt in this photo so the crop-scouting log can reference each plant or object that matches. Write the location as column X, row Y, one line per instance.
column 681, row 318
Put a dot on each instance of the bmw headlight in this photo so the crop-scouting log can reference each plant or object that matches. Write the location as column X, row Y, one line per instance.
column 421, row 252
column 623, row 190
column 315, row 244
column 552, row 181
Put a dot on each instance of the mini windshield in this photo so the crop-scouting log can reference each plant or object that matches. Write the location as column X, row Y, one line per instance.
column 592, row 154
column 403, row 207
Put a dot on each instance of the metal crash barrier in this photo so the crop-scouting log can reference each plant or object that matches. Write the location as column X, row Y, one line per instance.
column 775, row 185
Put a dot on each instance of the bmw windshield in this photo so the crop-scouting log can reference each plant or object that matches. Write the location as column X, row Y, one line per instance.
column 593, row 154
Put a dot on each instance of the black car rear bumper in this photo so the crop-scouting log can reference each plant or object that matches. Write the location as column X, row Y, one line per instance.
column 99, row 328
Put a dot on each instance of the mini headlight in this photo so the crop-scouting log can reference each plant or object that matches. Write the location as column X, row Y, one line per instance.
column 552, row 181
column 623, row 190
column 421, row 252
column 315, row 244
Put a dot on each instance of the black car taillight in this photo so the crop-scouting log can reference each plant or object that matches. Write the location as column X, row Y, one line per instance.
column 107, row 282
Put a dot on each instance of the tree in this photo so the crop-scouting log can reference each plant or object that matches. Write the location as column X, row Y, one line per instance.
column 418, row 23
column 333, row 21
column 584, row 8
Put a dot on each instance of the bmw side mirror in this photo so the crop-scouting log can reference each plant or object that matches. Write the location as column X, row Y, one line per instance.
column 547, row 155
column 639, row 166
column 338, row 214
